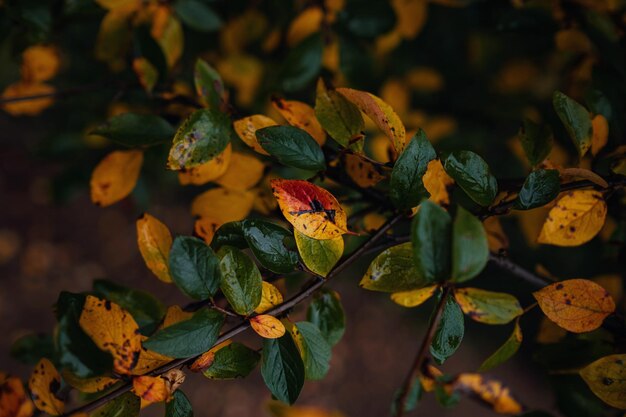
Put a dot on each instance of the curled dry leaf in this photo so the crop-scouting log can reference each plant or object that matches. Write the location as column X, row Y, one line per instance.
column 311, row 210
column 577, row 305
column 223, row 205
column 154, row 240
column 44, row 385
column 606, row 377
column 206, row 359
column 575, row 219
column 492, row 392
column 246, row 130
column 301, row 115
column 113, row 330
column 13, row 399
column 413, row 298
column 115, row 177
column 270, row 298
column 174, row 378
column 209, row 171
column 268, row 327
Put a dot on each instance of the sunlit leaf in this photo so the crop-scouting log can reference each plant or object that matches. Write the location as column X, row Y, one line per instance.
column 208, row 171
column 282, row 368
column 136, row 130
column 504, row 352
column 115, row 177
column 223, row 205
column 576, row 120
column 241, row 280
column 487, row 306
column 266, row 326
column 326, row 312
column 606, row 378
column 246, row 130
column 292, row 147
column 413, row 298
column 154, row 240
column 44, row 385
column 320, row 256
column 270, row 298
column 394, row 270
column 472, row 174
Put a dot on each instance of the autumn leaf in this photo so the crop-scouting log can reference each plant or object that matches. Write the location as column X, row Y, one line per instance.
column 606, row 377
column 151, row 389
column 506, row 351
column 88, row 385
column 223, row 205
column 575, row 219
column 113, row 330
column 168, row 32
column 600, row 133
column 311, row 210
column 147, row 73
column 246, row 130
column 363, row 172
column 270, row 298
column 577, row 305
column 492, row 392
column 39, row 63
column 206, row 359
column 305, row 24
column 154, row 240
column 243, row 172
column 266, row 326
column 413, row 298
column 44, row 385
column 205, row 228
column 115, row 177
column 437, row 181
column 487, row 306
column 27, row 107
column 14, row 402
column 300, row 115
column 208, row 171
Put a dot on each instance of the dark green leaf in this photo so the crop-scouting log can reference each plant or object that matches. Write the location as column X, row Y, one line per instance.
column 200, row 138
column 470, row 251
column 541, row 187
column 412, row 399
column 292, row 147
column 302, row 65
column 406, row 186
column 135, row 130
column 326, row 312
column 431, row 232
column 194, row 267
column 338, row 116
column 536, row 141
column 126, row 405
column 241, row 280
column 178, row 406
column 188, row 338
column 230, row 234
column 197, row 15
column 394, row 270
column 576, row 120
column 270, row 244
column 30, row 348
column 315, row 350
column 449, row 333
column 472, row 174
column 282, row 368
column 232, row 361
column 209, row 84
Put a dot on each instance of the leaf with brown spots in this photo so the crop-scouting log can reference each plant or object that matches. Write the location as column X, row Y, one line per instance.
column 577, row 305
column 491, row 392
column 606, row 377
column 151, row 389
column 575, row 219
column 209, row 171
column 13, row 399
column 301, row 115
column 363, row 172
column 268, row 327
column 115, row 177
column 88, row 385
column 44, row 385
column 113, row 330
column 311, row 210
column 246, row 130
column 154, row 240
column 270, row 298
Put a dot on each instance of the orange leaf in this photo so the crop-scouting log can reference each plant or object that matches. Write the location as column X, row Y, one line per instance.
column 600, row 133
column 223, row 205
column 44, row 384
column 490, row 391
column 154, row 240
column 577, row 305
column 267, row 326
column 27, row 107
column 209, row 171
column 311, row 210
column 115, row 177
column 13, row 399
column 150, row 389
column 243, row 172
column 173, row 315
column 306, row 23
column 301, row 115
column 207, row 358
column 363, row 172
column 205, row 228
column 246, row 130
column 39, row 63
column 436, row 181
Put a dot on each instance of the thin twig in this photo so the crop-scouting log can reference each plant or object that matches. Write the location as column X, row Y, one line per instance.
column 518, row 271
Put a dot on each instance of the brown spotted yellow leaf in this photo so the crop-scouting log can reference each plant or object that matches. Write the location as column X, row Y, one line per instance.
column 154, row 240
column 88, row 385
column 44, row 385
column 115, row 177
column 14, row 402
column 209, row 171
column 577, row 305
column 413, row 298
column 301, row 115
column 268, row 327
column 246, row 130
column 270, row 298
column 606, row 377
column 223, row 205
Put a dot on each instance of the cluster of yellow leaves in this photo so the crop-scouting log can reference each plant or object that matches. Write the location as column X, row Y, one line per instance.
column 39, row 63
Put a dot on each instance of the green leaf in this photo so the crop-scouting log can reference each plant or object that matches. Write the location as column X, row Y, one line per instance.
column 143, row 306
column 406, row 185
column 126, row 405
column 271, row 244
column 576, row 120
column 136, row 130
column 470, row 251
column 320, row 256
column 412, row 399
column 326, row 312
column 394, row 270
column 536, row 141
column 431, row 232
column 282, row 368
column 232, row 361
column 194, row 267
column 188, row 338
column 200, row 138
column 292, row 147
column 230, row 234
column 209, row 85
column 76, row 351
column 540, row 187
column 178, row 406
column 339, row 117
column 504, row 352
column 472, row 174
column 302, row 65
column 606, row 377
column 30, row 348
column 449, row 333
column 241, row 280
column 197, row 15
column 314, row 349
column 487, row 306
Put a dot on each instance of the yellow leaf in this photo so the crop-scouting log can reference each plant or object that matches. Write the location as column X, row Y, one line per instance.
column 173, row 315
column 575, row 219
column 395, row 93
column 115, row 177
column 270, row 298
column 113, row 330
column 363, row 172
column 243, row 172
column 301, row 115
column 13, row 399
column 311, row 210
column 577, row 305
column 146, row 72
column 114, row 37
column 246, row 130
column 168, row 32
column 373, row 221
column 413, row 298
column 381, row 113
column 245, row 73
column 39, row 63
column 411, row 15
column 437, row 181
column 44, row 384
column 154, row 240
column 88, row 385
column 151, row 389
column 209, row 171
column 487, row 306
column 381, row 149
column 600, row 133
column 223, row 205
column 424, row 79
column 149, row 360
column 496, row 238
column 306, row 23
column 606, row 377
column 205, row 228
column 206, row 359
column 490, row 391
column 613, row 284
column 267, row 326
column 27, row 107
column 243, row 29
